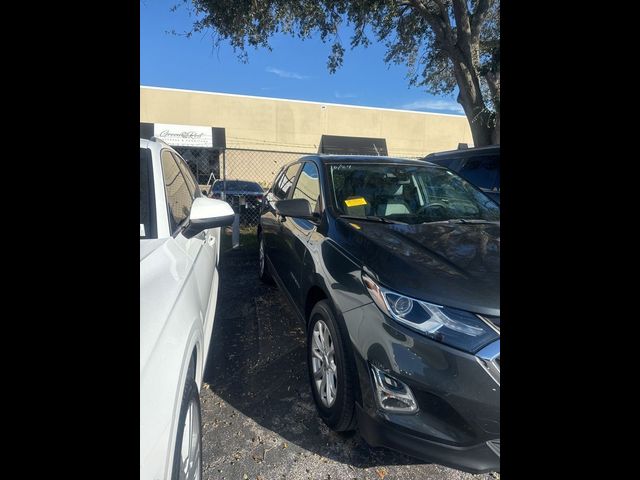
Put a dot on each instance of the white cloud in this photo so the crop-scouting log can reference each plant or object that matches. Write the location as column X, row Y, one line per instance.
column 285, row 74
column 434, row 104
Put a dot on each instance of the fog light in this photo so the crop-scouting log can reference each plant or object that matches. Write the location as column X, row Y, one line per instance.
column 393, row 395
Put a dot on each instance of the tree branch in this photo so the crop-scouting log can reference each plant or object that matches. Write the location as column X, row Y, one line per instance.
column 463, row 29
column 444, row 19
column 439, row 23
column 461, row 14
column 493, row 82
column 478, row 17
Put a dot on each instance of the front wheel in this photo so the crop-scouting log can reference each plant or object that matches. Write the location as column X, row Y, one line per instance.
column 330, row 373
column 187, row 457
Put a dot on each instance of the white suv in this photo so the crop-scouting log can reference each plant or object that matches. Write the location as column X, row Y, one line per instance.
column 179, row 251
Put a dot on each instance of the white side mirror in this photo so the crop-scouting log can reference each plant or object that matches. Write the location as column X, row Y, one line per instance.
column 208, row 213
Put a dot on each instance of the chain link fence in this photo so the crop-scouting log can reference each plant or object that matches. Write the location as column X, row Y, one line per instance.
column 204, row 162
column 248, row 175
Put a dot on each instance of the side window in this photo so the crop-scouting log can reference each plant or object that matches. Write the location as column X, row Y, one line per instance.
column 179, row 198
column 481, row 171
column 188, row 175
column 308, row 186
column 284, row 183
column 147, row 196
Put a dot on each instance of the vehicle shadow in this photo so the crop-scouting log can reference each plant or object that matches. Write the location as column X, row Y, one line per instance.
column 257, row 364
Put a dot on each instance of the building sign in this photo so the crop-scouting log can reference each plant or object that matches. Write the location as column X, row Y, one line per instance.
column 184, row 135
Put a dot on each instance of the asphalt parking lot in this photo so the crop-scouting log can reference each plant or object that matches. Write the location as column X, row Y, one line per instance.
column 259, row 420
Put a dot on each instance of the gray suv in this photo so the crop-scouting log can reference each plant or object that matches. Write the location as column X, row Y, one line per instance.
column 393, row 267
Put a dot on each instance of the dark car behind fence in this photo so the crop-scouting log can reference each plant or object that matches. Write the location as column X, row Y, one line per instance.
column 249, row 174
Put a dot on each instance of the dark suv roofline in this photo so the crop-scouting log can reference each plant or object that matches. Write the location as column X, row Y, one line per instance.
column 323, row 158
column 465, row 151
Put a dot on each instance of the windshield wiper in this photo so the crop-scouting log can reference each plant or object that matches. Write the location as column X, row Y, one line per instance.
column 463, row 220
column 373, row 218
column 470, row 220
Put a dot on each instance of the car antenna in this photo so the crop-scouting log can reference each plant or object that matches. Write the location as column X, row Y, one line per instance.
column 376, row 149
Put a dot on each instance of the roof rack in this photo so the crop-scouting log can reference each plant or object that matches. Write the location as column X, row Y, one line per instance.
column 468, row 150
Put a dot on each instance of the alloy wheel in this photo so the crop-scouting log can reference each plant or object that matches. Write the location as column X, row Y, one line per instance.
column 325, row 375
column 191, row 448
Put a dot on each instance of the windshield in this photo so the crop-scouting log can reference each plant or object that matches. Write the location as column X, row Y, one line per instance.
column 239, row 185
column 407, row 193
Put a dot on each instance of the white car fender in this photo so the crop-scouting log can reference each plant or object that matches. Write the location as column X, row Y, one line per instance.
column 164, row 367
column 195, row 342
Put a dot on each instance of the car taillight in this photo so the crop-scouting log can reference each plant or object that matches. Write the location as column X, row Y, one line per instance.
column 259, row 198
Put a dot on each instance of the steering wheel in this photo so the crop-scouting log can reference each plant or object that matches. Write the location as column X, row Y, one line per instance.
column 431, row 206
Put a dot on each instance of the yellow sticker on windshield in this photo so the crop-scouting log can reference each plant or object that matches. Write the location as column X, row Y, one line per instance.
column 354, row 202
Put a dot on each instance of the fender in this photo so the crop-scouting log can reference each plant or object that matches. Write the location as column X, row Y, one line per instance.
column 326, row 262
column 194, row 343
column 317, row 281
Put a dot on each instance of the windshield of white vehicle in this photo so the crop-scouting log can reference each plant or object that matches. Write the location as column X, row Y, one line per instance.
column 407, row 193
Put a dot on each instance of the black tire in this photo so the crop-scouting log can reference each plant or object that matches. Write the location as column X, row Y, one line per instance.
column 190, row 397
column 340, row 416
column 263, row 268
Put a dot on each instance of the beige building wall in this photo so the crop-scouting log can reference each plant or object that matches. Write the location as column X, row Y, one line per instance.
column 288, row 125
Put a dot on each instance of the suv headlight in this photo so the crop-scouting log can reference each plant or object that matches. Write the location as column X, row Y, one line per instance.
column 456, row 328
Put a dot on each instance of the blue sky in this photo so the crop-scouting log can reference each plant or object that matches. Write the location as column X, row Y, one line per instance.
column 293, row 69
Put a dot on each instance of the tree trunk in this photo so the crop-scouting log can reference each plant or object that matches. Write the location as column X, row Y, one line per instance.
column 463, row 49
column 493, row 80
column 473, row 104
column 496, row 131
column 483, row 135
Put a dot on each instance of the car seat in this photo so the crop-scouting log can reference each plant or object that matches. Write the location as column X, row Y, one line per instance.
column 394, row 202
column 410, row 197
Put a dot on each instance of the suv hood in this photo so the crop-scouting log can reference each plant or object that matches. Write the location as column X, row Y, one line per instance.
column 452, row 264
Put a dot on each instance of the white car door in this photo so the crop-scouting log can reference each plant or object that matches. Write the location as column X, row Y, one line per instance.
column 202, row 250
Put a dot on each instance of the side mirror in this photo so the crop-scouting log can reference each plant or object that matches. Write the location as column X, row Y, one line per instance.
column 208, row 213
column 296, row 208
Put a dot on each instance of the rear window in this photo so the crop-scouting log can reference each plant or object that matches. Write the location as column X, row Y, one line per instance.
column 483, row 171
column 238, row 185
column 147, row 206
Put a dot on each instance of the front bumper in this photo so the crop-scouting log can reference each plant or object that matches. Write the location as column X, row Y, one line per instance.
column 380, row 433
column 458, row 395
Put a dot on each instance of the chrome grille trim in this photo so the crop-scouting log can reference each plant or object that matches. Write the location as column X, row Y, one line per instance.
column 493, row 322
column 489, row 358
